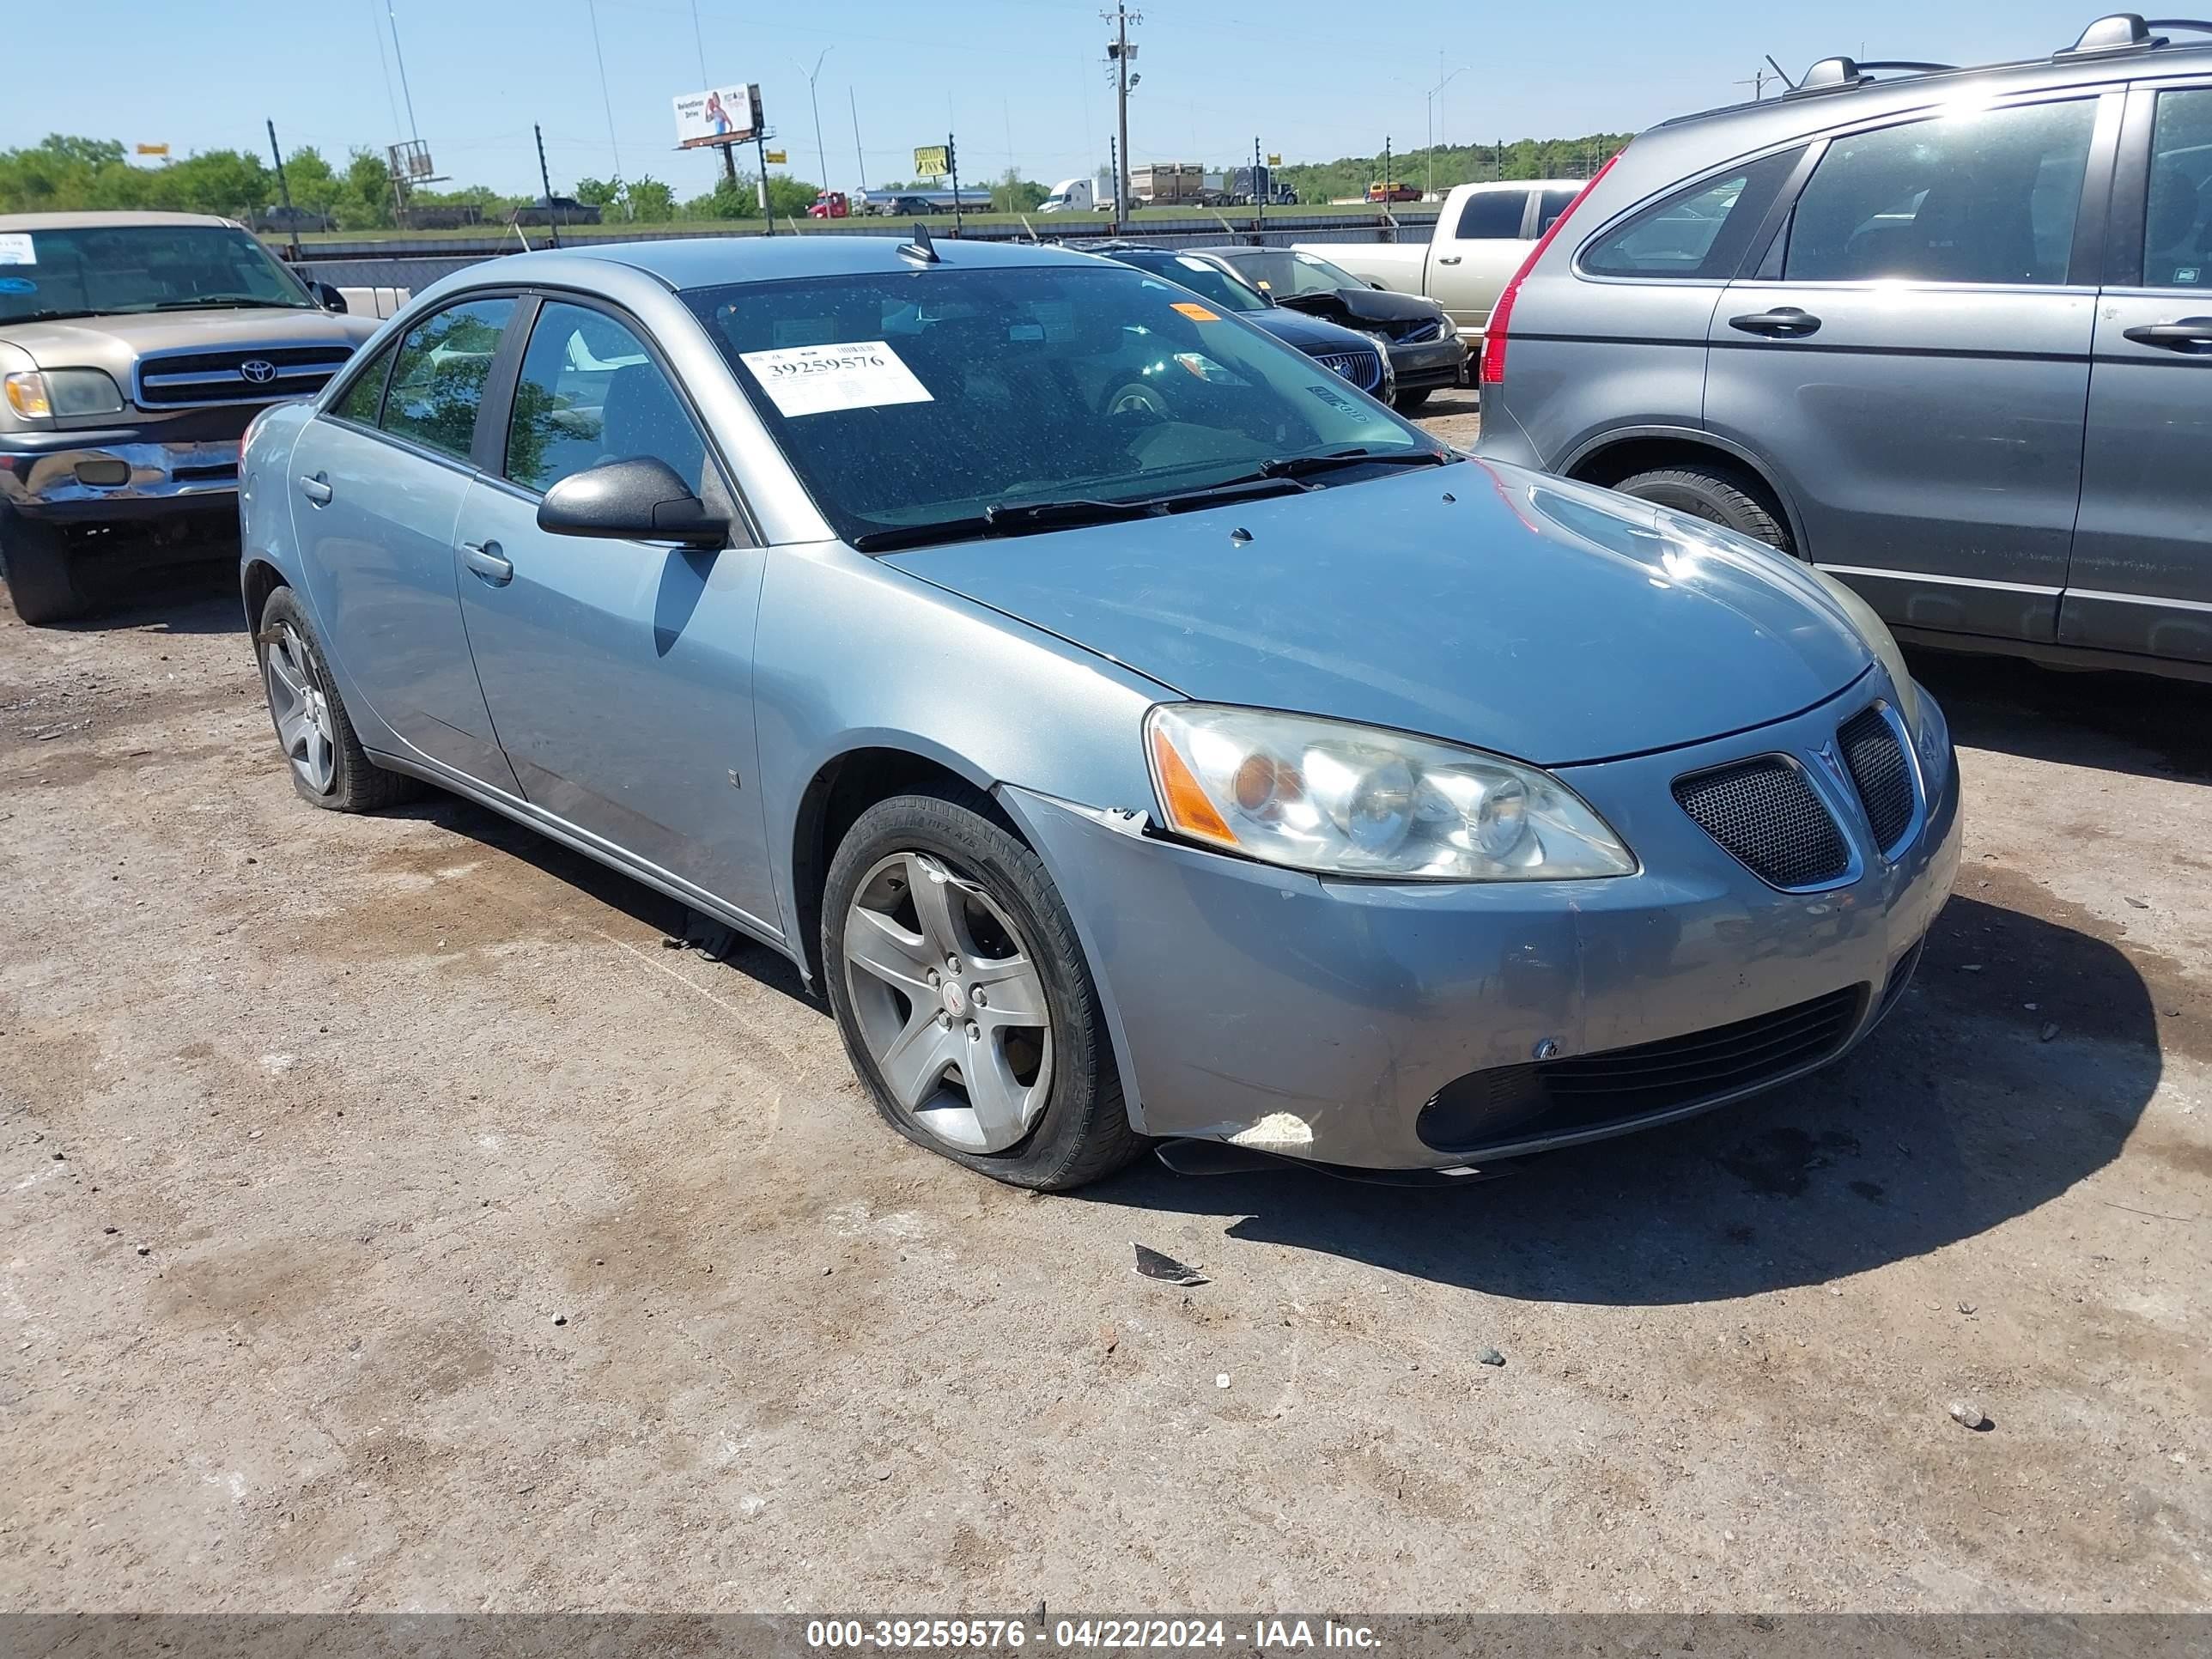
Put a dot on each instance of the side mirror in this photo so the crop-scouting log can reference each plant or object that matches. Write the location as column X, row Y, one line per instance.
column 637, row 500
column 330, row 298
column 1379, row 285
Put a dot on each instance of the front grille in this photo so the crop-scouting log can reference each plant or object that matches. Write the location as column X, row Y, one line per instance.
column 1875, row 760
column 213, row 377
column 1415, row 331
column 1560, row 1097
column 1766, row 814
column 1363, row 368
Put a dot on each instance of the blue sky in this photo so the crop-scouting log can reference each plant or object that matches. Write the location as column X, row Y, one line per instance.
column 1019, row 81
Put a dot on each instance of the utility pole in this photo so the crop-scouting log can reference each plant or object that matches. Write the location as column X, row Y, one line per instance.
column 1113, row 161
column 284, row 192
column 1260, row 190
column 545, row 183
column 820, row 156
column 952, row 160
column 1119, row 50
column 859, row 156
column 760, row 152
column 1757, row 82
column 1386, row 173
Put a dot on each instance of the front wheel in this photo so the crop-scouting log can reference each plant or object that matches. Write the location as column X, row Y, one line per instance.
column 41, row 583
column 963, row 999
column 1716, row 494
column 1407, row 402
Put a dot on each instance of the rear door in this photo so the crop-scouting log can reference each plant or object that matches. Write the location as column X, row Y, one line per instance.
column 619, row 673
column 2142, row 574
column 1482, row 248
column 1910, row 358
column 378, row 482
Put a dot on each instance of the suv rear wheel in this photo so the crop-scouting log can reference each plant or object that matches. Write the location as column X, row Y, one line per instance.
column 1718, row 495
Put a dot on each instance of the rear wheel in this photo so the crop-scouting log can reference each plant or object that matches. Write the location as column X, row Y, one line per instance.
column 329, row 767
column 1718, row 495
column 963, row 999
column 41, row 582
column 1407, row 402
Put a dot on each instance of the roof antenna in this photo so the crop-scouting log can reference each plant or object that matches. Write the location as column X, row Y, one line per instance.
column 921, row 247
column 1779, row 70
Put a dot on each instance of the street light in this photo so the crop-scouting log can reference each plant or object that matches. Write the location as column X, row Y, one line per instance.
column 1428, row 111
column 820, row 156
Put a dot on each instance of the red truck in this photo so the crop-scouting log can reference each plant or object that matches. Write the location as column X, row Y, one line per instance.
column 830, row 204
column 1381, row 193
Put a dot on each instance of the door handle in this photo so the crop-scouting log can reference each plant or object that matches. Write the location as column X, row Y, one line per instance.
column 1448, row 259
column 488, row 561
column 316, row 490
column 2183, row 334
column 1784, row 322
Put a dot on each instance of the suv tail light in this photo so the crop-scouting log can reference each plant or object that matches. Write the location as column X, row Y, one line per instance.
column 1501, row 314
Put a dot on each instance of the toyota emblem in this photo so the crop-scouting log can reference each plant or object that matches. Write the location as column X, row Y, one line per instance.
column 258, row 371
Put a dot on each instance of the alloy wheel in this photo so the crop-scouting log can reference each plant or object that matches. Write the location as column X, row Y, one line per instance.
column 301, row 710
column 950, row 1003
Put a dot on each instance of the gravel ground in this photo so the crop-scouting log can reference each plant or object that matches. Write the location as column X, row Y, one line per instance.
column 396, row 1219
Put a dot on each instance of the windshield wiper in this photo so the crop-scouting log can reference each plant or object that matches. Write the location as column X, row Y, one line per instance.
column 1026, row 518
column 1299, row 466
column 211, row 302
column 43, row 316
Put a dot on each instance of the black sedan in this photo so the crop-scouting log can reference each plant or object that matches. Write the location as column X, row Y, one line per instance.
column 1425, row 352
column 1351, row 354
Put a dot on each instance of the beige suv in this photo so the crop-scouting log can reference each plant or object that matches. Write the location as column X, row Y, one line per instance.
column 135, row 348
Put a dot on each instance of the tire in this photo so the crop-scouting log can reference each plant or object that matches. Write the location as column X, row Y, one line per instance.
column 1718, row 495
column 950, row 845
column 1407, row 402
column 289, row 654
column 41, row 581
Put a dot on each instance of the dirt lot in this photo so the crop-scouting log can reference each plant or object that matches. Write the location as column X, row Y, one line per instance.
column 394, row 1219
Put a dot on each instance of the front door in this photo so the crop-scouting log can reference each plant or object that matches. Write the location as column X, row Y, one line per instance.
column 619, row 674
column 377, row 484
column 2141, row 576
column 1911, row 361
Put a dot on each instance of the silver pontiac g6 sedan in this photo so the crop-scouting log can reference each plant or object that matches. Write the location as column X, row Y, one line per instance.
column 1136, row 731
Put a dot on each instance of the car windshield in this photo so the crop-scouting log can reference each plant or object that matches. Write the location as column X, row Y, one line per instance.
column 1202, row 276
column 1284, row 274
column 106, row 270
column 934, row 398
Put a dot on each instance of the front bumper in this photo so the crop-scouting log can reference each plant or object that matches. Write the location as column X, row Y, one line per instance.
column 125, row 471
column 1430, row 364
column 1316, row 1018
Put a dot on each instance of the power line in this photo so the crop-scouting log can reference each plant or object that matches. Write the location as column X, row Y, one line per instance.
column 384, row 63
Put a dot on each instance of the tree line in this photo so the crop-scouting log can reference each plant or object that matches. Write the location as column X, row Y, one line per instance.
column 66, row 174
column 1455, row 164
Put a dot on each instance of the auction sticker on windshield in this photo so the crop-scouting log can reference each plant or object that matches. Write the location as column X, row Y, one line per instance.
column 819, row 380
column 1196, row 313
column 16, row 248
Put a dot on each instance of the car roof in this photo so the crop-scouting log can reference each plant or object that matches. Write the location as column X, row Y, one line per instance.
column 718, row 261
column 105, row 221
column 1839, row 89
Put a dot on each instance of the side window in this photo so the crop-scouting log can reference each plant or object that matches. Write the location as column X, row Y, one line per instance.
column 438, row 379
column 1702, row 230
column 365, row 397
column 590, row 393
column 1491, row 215
column 1554, row 203
column 1986, row 197
column 2177, row 228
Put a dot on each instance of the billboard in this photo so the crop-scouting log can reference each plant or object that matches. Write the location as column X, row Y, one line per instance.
column 719, row 115
column 933, row 161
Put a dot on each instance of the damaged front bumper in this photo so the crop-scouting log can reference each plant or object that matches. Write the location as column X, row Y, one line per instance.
column 1397, row 1025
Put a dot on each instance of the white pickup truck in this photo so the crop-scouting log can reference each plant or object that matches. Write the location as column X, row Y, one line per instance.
column 1483, row 234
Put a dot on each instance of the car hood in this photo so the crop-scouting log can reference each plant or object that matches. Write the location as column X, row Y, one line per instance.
column 1548, row 621
column 1370, row 305
column 1308, row 334
column 116, row 343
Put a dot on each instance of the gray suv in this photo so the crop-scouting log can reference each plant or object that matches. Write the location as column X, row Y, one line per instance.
column 1946, row 333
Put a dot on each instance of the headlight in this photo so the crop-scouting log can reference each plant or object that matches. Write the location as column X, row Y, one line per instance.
column 1342, row 799
column 37, row 394
column 1879, row 641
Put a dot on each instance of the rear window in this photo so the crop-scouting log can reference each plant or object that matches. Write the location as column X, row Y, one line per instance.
column 1702, row 230
column 1492, row 216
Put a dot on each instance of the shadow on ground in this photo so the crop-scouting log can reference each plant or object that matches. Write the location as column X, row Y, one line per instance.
column 2132, row 723
column 1953, row 1118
